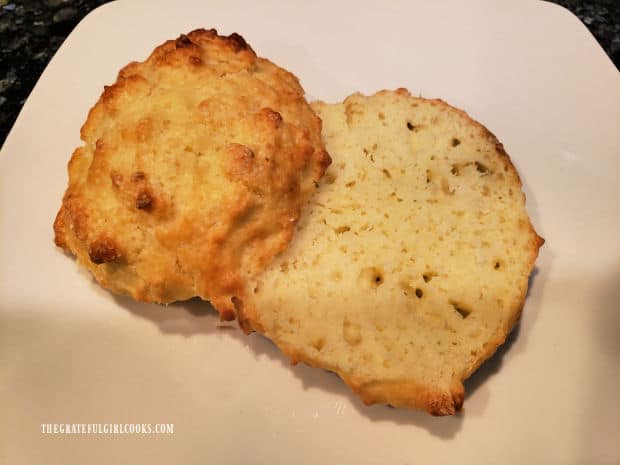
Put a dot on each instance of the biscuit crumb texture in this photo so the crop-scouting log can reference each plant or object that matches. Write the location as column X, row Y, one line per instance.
column 193, row 172
column 411, row 265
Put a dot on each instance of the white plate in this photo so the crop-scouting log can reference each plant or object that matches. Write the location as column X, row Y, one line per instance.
column 71, row 352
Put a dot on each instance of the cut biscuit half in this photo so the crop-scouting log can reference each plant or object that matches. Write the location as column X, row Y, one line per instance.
column 411, row 264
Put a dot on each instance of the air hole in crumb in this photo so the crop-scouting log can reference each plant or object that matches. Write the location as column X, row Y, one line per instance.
column 460, row 309
column 429, row 176
column 455, row 142
column 342, row 229
column 497, row 265
column 481, row 168
column 455, row 170
column 398, row 199
column 372, row 277
column 427, row 277
column 319, row 344
column 410, row 126
column 419, row 293
column 445, row 187
column 387, row 173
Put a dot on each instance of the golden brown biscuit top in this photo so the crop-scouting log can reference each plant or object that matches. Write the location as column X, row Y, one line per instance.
column 194, row 168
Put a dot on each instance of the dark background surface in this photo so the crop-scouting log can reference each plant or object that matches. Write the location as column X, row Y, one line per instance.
column 32, row 30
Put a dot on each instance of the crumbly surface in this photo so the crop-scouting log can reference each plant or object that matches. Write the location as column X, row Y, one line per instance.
column 194, row 168
column 411, row 265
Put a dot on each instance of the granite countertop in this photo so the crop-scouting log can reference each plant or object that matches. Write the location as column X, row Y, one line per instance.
column 32, row 30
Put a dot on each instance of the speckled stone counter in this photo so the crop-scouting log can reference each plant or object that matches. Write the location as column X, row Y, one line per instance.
column 32, row 30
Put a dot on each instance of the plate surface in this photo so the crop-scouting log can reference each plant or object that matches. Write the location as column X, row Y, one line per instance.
column 73, row 353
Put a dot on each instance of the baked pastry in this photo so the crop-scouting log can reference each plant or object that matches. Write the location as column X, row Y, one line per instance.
column 193, row 172
column 411, row 265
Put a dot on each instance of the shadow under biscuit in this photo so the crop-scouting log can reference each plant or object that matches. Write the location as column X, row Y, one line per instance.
column 197, row 317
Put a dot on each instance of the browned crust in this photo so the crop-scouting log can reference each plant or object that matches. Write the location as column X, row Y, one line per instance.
column 200, row 38
column 405, row 393
column 59, row 229
column 104, row 250
column 401, row 393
